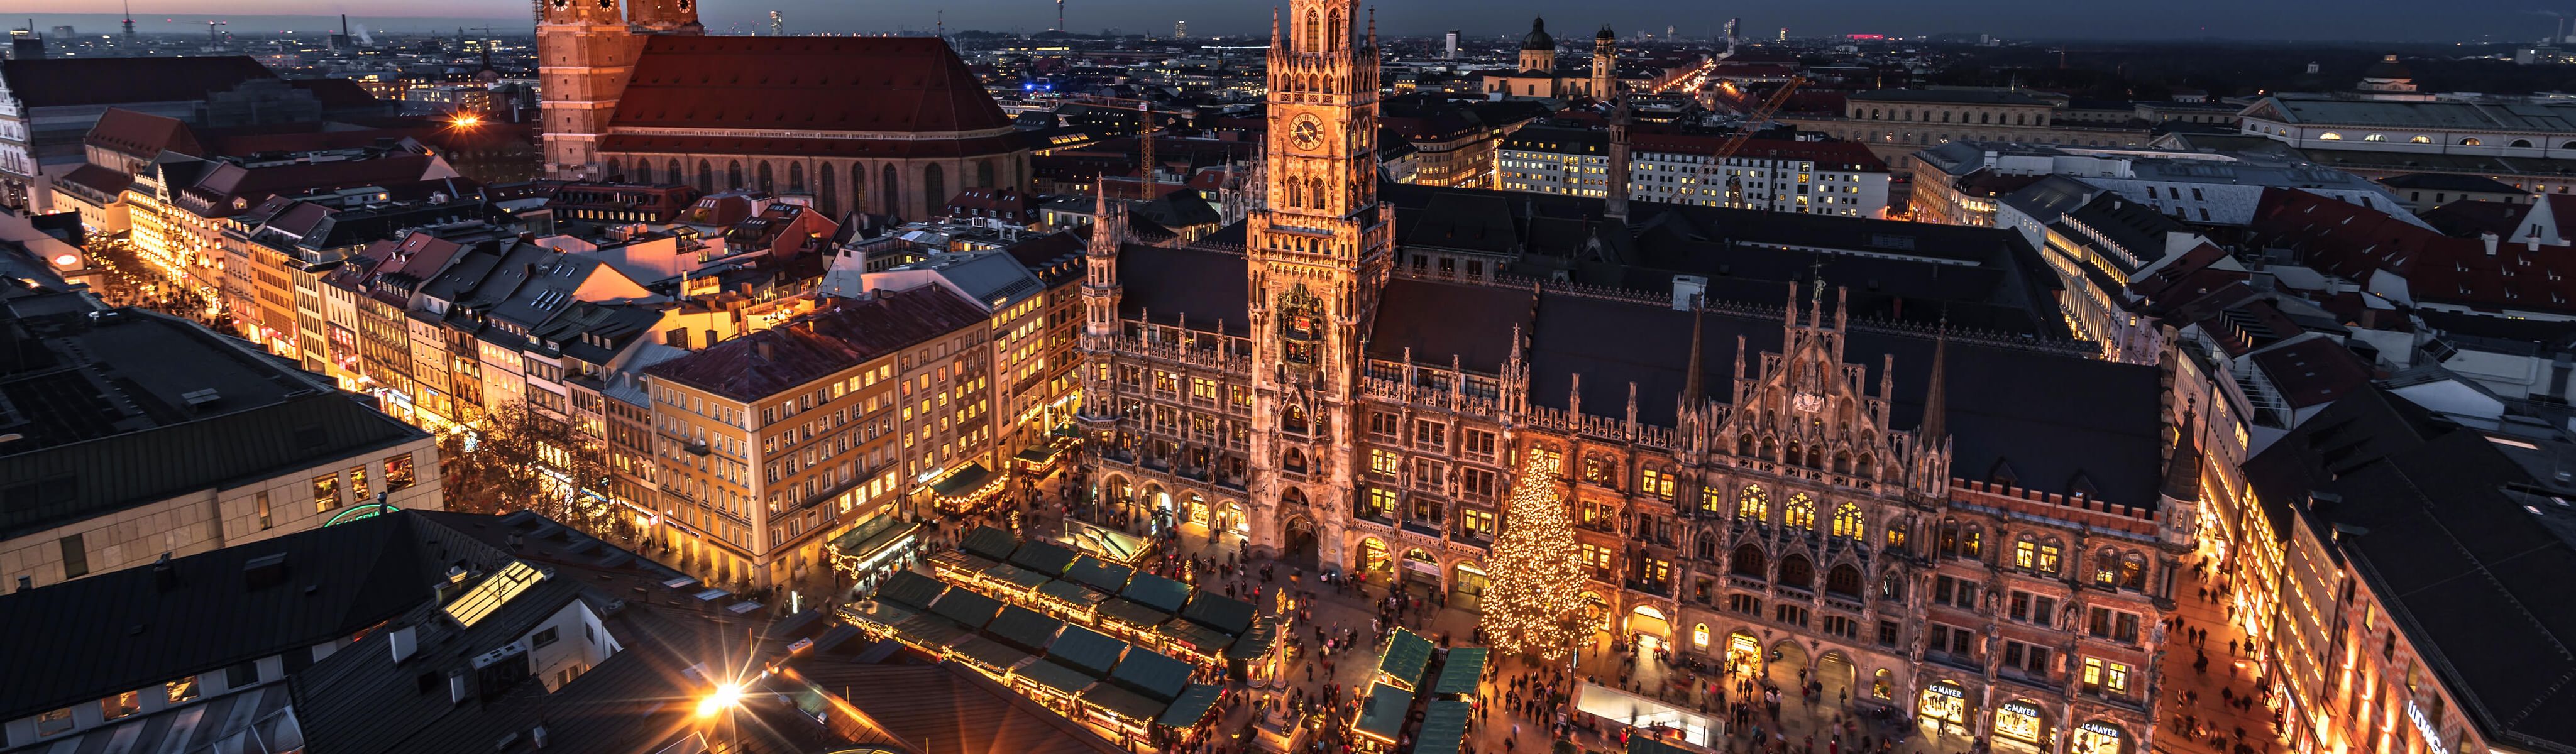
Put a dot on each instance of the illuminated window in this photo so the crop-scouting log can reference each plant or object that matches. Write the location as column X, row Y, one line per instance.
column 398, row 472
column 180, row 690
column 1655, row 482
column 2469, row 142
column 1800, row 513
column 1712, row 501
column 1753, row 504
column 326, row 492
column 2375, row 137
column 358, row 483
column 1848, row 523
column 2025, row 553
column 53, row 722
column 488, row 596
column 2420, row 139
column 1477, row 522
column 1385, row 463
column 2048, row 558
column 120, row 705
column 2330, row 136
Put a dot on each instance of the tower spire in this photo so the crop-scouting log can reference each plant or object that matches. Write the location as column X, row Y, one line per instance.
column 1691, row 378
column 1936, row 402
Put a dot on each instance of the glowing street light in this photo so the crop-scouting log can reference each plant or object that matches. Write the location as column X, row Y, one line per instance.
column 466, row 120
column 726, row 696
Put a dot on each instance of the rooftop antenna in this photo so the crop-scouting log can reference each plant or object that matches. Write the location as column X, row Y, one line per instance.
column 1059, row 15
column 942, row 27
column 215, row 32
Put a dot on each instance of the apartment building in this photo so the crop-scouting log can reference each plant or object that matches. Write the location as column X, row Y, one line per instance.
column 772, row 443
column 1829, row 178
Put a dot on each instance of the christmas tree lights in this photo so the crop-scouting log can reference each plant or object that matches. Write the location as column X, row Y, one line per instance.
column 1530, row 606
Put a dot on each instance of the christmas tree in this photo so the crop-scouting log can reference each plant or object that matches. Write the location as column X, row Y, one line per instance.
column 1537, row 579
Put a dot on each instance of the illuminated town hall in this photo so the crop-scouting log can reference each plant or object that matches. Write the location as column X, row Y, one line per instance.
column 1981, row 529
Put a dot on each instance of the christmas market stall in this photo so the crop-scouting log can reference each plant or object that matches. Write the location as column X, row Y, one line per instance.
column 1401, row 666
column 1382, row 717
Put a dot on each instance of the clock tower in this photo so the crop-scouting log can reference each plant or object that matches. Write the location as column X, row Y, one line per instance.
column 1317, row 256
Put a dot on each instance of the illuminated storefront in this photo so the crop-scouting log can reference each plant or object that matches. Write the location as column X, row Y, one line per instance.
column 1744, row 652
column 1946, row 702
column 2020, row 720
column 2097, row 737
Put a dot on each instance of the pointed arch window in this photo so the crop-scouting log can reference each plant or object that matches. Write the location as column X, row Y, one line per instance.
column 1314, row 23
column 1753, row 504
column 1334, row 27
column 676, row 176
column 1748, row 562
column 616, row 171
column 1800, row 513
column 796, row 177
column 1848, row 523
column 934, row 186
column 768, row 178
column 893, row 191
column 858, row 187
column 733, row 175
column 830, row 199
column 706, row 178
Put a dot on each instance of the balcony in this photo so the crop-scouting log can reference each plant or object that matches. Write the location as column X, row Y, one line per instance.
column 1605, row 526
column 1472, row 539
column 1656, row 588
column 1962, row 662
column 1424, row 528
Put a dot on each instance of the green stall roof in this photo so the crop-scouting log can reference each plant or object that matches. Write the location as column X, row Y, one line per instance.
column 1191, row 708
column 1071, row 594
column 967, row 607
column 1099, row 574
column 911, row 589
column 1086, row 650
column 1444, row 727
column 1015, row 576
column 1024, row 628
column 1152, row 673
column 1225, row 614
column 989, row 653
column 1043, row 557
column 1382, row 715
column 1460, row 672
column 1124, row 703
column 1406, row 654
column 1156, row 592
column 1133, row 614
column 1255, row 641
column 1047, row 673
column 1639, row 743
column 989, row 543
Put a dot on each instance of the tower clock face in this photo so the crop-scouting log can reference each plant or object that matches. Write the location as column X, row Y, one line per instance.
column 1306, row 133
column 561, row 4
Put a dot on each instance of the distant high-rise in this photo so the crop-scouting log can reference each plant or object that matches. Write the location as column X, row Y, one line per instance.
column 1784, row 34
column 777, row 24
column 1180, row 30
column 25, row 44
column 1453, row 45
column 63, row 33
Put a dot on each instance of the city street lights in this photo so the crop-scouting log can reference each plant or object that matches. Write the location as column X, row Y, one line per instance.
column 725, row 697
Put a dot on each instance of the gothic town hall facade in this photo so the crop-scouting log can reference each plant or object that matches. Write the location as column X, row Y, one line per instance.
column 1973, row 529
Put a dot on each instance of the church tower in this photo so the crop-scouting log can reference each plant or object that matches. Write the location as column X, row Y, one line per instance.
column 1317, row 256
column 1538, row 50
column 585, row 53
column 1605, row 63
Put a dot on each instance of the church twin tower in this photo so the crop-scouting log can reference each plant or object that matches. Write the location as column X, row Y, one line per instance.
column 586, row 52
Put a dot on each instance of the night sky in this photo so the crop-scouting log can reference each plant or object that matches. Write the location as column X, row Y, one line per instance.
column 2385, row 20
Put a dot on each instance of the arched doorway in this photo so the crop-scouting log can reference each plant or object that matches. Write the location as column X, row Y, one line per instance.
column 2099, row 737
column 1157, row 503
column 1836, row 672
column 1374, row 562
column 1596, row 612
column 1467, row 584
column 2021, row 725
column 1789, row 663
column 1649, row 627
column 1944, row 705
column 1300, row 543
column 1229, row 517
column 1744, row 652
column 1194, row 509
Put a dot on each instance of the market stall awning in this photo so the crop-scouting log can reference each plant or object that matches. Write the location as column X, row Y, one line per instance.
column 1018, row 578
column 1207, row 642
column 959, row 562
column 1062, row 679
column 1444, row 727
column 1623, row 708
column 1140, row 617
column 879, row 613
column 989, row 543
column 1192, row 707
column 988, row 653
column 911, row 589
column 1382, row 714
column 1155, row 674
column 967, row 607
column 1043, row 557
column 1024, row 628
column 1086, row 650
column 1099, row 574
column 871, row 537
column 963, row 481
column 1643, row 744
column 1156, row 592
column 1072, row 595
column 1038, row 455
column 1406, row 654
column 929, row 631
column 1124, row 703
column 1255, row 641
column 1461, row 671
column 1227, row 615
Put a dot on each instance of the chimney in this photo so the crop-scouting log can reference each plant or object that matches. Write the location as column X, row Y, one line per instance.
column 537, row 735
column 767, row 352
column 264, row 571
column 456, row 686
column 405, row 641
column 163, row 577
column 2490, row 240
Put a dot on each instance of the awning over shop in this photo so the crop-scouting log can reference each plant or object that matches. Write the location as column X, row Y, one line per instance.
column 1382, row 715
column 1192, row 707
column 1444, row 727
column 1038, row 456
column 989, row 543
column 1651, row 745
column 1099, row 574
column 1406, row 654
column 967, row 607
column 962, row 482
column 1635, row 711
column 930, row 631
column 959, row 562
column 1207, row 642
column 1461, row 670
column 989, row 653
column 1064, row 680
column 880, row 613
column 1043, row 557
column 1072, row 595
column 871, row 538
column 1066, row 431
column 1255, row 641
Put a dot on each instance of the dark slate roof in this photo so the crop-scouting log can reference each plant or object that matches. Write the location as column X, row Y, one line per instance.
column 1099, row 574
column 58, row 82
column 992, row 543
column 822, row 344
column 88, row 396
column 866, row 84
column 1156, row 592
column 2459, row 537
column 1086, row 650
column 1176, row 285
column 1227, row 614
column 2051, row 419
column 1044, row 557
column 1433, row 322
column 1152, row 673
column 121, row 630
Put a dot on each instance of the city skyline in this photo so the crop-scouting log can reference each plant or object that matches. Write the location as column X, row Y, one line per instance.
column 2303, row 20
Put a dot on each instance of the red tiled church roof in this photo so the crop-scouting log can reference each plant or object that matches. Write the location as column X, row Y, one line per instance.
column 898, row 84
column 142, row 134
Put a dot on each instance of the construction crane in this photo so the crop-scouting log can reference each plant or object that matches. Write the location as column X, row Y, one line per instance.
column 1744, row 131
column 1147, row 128
column 215, row 33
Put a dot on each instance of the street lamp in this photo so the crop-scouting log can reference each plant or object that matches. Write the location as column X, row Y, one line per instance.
column 726, row 696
